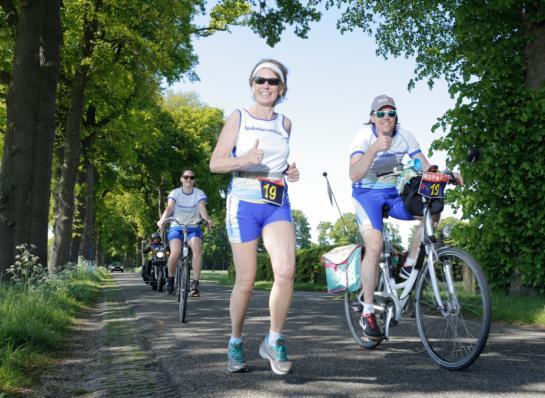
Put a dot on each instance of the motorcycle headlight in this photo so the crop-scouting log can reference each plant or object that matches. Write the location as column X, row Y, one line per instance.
column 160, row 254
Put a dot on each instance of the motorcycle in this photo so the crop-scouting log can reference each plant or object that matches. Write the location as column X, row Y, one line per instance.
column 158, row 275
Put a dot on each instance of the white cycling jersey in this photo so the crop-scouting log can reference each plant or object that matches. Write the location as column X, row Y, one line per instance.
column 186, row 208
column 403, row 143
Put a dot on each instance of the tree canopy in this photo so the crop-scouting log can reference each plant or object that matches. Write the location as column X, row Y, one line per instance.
column 302, row 229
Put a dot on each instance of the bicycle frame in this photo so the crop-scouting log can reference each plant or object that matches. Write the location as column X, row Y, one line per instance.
column 453, row 322
column 389, row 289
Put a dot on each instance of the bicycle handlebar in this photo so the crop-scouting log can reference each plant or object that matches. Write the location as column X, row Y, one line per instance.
column 198, row 223
column 397, row 171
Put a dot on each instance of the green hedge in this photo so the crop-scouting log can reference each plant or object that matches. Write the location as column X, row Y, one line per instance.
column 308, row 268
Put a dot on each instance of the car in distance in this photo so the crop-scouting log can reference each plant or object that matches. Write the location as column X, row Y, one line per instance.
column 115, row 267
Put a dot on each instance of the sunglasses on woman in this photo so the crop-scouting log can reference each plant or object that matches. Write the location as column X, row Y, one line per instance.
column 190, row 177
column 381, row 114
column 272, row 81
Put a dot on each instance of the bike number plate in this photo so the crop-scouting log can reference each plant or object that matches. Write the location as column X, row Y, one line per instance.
column 272, row 191
column 433, row 185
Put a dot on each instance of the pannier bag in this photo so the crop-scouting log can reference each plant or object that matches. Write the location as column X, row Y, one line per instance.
column 413, row 200
column 342, row 268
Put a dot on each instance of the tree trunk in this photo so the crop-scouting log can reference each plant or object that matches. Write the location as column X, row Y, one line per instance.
column 26, row 165
column 78, row 218
column 89, row 226
column 65, row 190
column 535, row 51
column 72, row 145
column 99, row 255
column 470, row 285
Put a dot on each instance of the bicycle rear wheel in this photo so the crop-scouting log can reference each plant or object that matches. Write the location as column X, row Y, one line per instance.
column 353, row 310
column 455, row 333
column 183, row 290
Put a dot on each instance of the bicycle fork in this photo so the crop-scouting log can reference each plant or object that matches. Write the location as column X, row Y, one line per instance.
column 451, row 306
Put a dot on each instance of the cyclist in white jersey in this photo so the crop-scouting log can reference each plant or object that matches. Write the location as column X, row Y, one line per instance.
column 254, row 147
column 187, row 204
column 376, row 149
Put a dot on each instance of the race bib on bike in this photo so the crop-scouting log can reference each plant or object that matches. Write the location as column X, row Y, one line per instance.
column 433, row 185
column 272, row 191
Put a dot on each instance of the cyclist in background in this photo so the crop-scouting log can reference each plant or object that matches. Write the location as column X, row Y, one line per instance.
column 188, row 205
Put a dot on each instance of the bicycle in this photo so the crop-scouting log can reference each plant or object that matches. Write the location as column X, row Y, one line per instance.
column 183, row 269
column 450, row 292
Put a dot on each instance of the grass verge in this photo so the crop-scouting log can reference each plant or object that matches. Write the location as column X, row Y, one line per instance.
column 36, row 321
column 518, row 309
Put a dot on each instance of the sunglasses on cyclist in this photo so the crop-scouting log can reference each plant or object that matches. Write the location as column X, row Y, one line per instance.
column 381, row 114
column 272, row 81
column 190, row 177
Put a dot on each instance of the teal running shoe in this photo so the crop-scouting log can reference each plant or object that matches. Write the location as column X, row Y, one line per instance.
column 276, row 355
column 235, row 358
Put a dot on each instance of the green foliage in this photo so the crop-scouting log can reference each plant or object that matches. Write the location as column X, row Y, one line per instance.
column 480, row 48
column 308, row 267
column 302, row 229
column 7, row 44
column 394, row 235
column 228, row 12
column 519, row 309
column 264, row 269
column 37, row 321
column 216, row 248
column 347, row 231
column 324, row 229
column 135, row 179
column 269, row 22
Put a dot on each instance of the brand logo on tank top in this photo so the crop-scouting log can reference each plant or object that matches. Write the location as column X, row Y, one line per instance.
column 248, row 128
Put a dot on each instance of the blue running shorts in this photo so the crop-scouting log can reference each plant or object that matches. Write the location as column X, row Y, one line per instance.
column 178, row 233
column 245, row 220
column 368, row 204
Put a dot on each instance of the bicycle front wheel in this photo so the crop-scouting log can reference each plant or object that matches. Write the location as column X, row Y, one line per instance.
column 454, row 333
column 183, row 290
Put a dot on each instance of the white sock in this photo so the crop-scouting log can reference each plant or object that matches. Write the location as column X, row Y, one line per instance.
column 273, row 338
column 409, row 262
column 368, row 309
column 235, row 340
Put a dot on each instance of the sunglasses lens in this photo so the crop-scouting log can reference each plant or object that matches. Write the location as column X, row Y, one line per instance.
column 261, row 80
column 381, row 114
column 190, row 177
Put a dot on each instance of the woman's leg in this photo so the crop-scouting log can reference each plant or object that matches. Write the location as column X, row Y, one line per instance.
column 244, row 257
column 196, row 248
column 372, row 239
column 175, row 252
column 279, row 240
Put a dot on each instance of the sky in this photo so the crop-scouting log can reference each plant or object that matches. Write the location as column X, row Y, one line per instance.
column 332, row 81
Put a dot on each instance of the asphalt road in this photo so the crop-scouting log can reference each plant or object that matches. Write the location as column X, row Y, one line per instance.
column 327, row 363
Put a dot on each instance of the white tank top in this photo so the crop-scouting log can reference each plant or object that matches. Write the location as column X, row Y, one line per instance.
column 273, row 141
